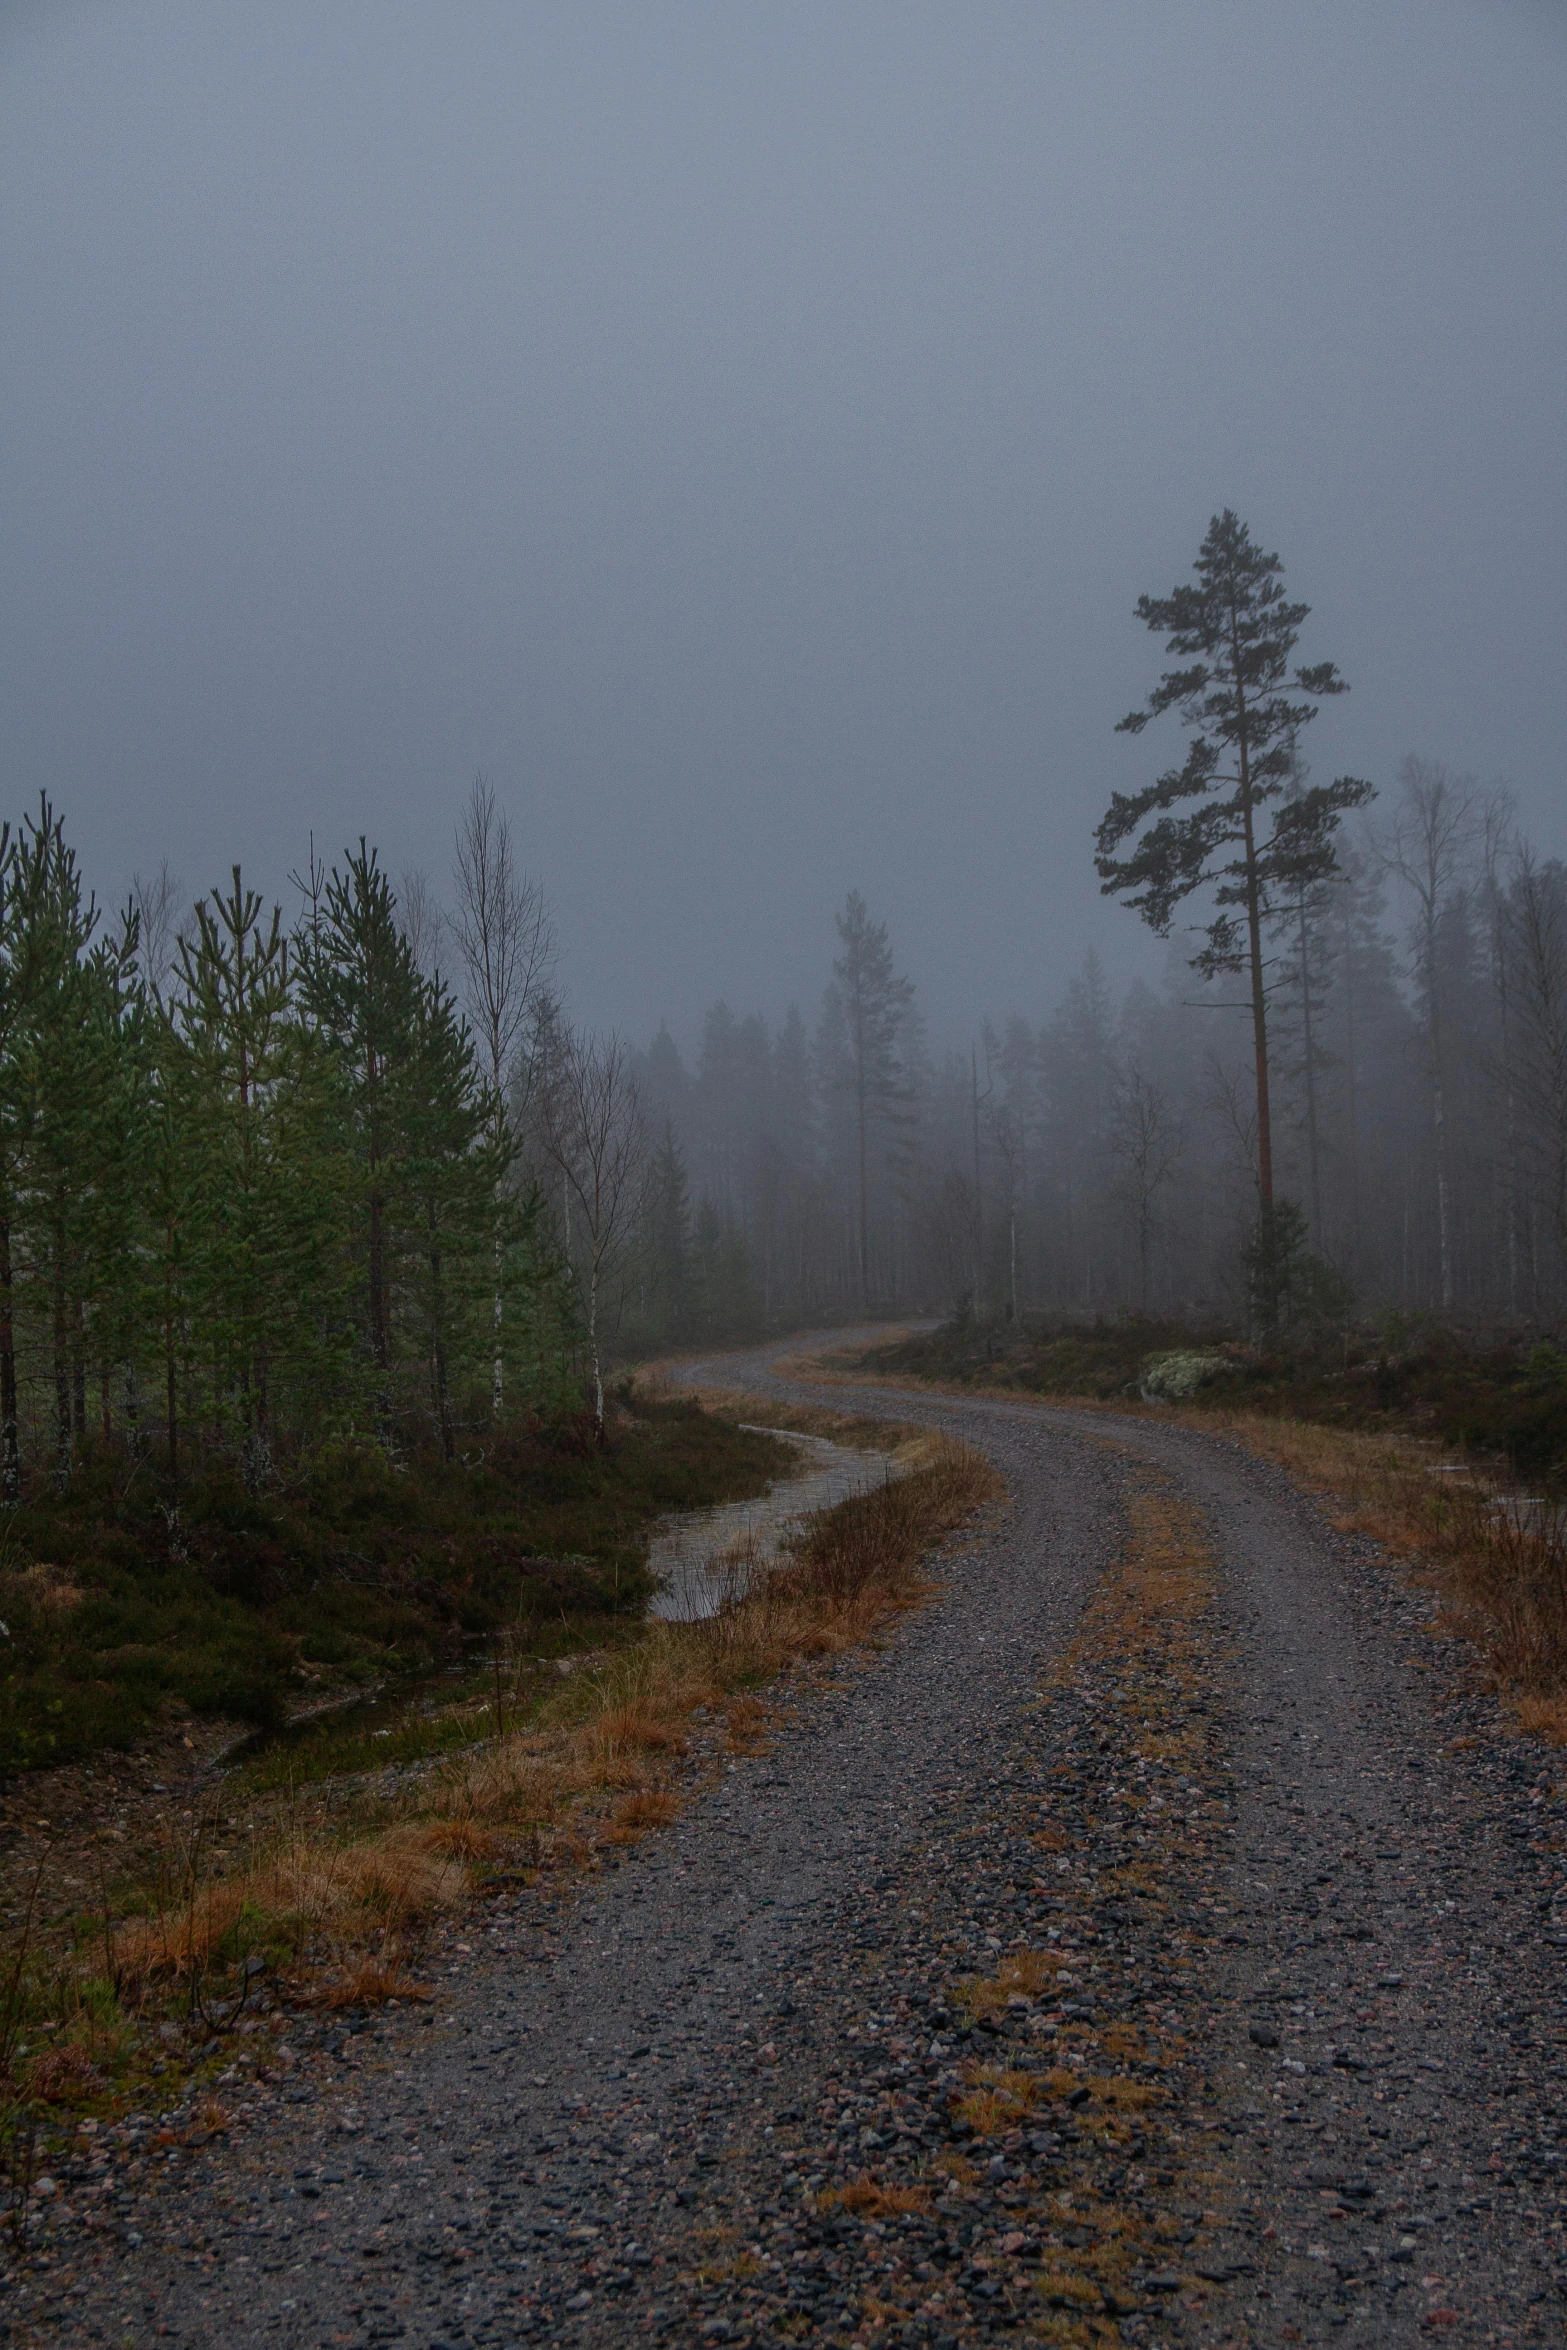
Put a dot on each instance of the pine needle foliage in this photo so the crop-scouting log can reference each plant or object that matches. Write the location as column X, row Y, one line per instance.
column 256, row 1204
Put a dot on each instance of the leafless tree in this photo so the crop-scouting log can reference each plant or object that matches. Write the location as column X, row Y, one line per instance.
column 1430, row 847
column 419, row 914
column 505, row 947
column 589, row 1122
column 1539, row 923
column 1145, row 1145
column 159, row 902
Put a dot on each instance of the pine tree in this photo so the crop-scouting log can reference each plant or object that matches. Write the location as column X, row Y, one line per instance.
column 233, row 1013
column 361, row 987
column 456, row 1151
column 1244, row 707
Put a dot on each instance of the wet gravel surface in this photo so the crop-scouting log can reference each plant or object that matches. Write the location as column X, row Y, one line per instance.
column 1077, row 1968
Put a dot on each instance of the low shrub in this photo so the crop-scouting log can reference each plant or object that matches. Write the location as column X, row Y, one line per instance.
column 120, row 1606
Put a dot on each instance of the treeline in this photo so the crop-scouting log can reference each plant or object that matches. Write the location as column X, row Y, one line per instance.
column 255, row 1182
column 1105, row 1158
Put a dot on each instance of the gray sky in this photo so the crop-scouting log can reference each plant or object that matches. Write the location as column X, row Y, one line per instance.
column 744, row 432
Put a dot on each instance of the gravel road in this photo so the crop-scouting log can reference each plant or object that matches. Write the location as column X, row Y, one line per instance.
column 1285, row 2068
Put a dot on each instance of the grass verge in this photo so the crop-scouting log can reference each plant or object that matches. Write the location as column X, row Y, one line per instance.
column 1499, row 1559
column 333, row 1902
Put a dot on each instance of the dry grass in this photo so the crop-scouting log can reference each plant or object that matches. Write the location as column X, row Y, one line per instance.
column 1025, row 1973
column 1500, row 1561
column 998, row 2100
column 312, row 1892
column 370, row 1982
column 877, row 2202
column 594, row 1773
column 632, row 1818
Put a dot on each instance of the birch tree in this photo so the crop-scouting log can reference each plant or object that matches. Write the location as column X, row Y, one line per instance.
column 590, row 1124
column 505, row 946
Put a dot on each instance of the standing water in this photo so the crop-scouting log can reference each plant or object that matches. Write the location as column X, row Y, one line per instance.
column 703, row 1558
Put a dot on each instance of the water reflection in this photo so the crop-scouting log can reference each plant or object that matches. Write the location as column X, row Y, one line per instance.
column 705, row 1558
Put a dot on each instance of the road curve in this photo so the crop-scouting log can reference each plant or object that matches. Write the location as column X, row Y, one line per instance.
column 626, row 2116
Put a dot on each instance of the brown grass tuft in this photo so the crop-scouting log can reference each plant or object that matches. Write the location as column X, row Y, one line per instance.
column 1025, row 1972
column 747, row 1720
column 636, row 1728
column 463, row 1840
column 878, row 2202
column 370, row 1982
column 999, row 2099
column 632, row 1818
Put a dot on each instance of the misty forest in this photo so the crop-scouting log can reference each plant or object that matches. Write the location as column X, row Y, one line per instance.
column 355, row 1167
column 783, row 1176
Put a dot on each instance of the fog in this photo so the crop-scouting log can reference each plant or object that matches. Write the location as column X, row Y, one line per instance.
column 744, row 435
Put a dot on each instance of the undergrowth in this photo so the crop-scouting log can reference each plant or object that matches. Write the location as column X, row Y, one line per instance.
column 122, row 1605
column 1505, row 1399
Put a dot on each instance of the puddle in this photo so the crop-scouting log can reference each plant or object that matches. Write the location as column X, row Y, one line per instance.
column 702, row 1558
column 379, row 1712
column 706, row 1558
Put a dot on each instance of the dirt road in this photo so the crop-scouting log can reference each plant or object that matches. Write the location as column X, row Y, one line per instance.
column 1257, row 1890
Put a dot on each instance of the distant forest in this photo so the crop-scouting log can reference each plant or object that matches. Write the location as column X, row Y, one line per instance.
column 359, row 1175
column 1104, row 1159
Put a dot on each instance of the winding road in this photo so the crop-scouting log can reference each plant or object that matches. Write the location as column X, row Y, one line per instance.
column 1288, row 2070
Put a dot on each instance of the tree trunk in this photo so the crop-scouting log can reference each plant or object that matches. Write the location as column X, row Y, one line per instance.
column 1351, row 1081
column 1259, row 1004
column 10, row 1434
column 593, row 1350
column 443, row 1408
column 865, row 1255
column 171, row 1358
column 1259, row 997
column 377, row 1280
column 79, row 1374
column 1444, row 1229
column 62, row 1363
column 979, row 1197
column 497, row 1365
column 1308, row 1043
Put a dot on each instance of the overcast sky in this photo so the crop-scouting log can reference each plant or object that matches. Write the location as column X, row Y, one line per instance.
column 744, row 431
